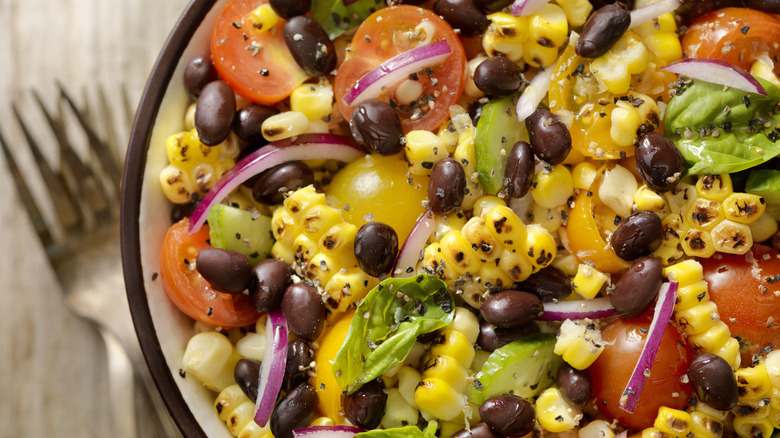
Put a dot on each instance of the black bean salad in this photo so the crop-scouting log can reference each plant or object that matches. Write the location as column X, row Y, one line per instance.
column 482, row 218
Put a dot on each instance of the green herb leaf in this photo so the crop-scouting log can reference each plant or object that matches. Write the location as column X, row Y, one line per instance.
column 497, row 129
column 386, row 325
column 766, row 183
column 723, row 130
column 402, row 432
column 338, row 16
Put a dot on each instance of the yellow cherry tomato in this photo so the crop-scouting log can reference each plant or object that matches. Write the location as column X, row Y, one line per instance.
column 328, row 390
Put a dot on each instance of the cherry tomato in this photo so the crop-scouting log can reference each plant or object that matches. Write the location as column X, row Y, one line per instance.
column 737, row 35
column 190, row 292
column 394, row 30
column 256, row 64
column 746, row 289
column 328, row 389
column 623, row 341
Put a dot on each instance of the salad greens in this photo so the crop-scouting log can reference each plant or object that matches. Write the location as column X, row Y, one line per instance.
column 766, row 183
column 386, row 325
column 338, row 16
column 497, row 132
column 723, row 130
column 402, row 432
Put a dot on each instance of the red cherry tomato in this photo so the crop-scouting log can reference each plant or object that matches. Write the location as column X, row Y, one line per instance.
column 257, row 64
column 190, row 292
column 737, row 35
column 394, row 30
column 624, row 340
column 746, row 289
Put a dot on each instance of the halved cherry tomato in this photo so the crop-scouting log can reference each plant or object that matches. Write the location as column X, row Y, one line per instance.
column 257, row 64
column 737, row 35
column 328, row 389
column 394, row 30
column 190, row 292
column 746, row 289
column 624, row 340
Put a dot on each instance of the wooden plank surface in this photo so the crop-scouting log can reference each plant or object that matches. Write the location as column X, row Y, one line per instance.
column 53, row 374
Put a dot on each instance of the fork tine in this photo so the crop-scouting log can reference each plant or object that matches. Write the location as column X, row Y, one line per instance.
column 107, row 111
column 129, row 106
column 66, row 209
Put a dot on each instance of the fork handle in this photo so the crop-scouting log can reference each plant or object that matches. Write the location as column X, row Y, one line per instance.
column 121, row 388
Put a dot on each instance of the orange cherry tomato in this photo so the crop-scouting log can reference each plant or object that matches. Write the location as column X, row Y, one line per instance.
column 328, row 389
column 394, row 30
column 257, row 64
column 190, row 292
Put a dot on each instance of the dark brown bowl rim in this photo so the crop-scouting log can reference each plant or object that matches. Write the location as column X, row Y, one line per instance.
column 132, row 178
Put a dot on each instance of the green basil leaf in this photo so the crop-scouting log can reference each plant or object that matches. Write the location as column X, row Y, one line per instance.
column 386, row 325
column 723, row 130
column 402, row 432
column 766, row 183
column 338, row 16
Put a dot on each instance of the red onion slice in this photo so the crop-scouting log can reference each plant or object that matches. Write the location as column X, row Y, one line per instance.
column 326, row 432
column 272, row 367
column 581, row 309
column 649, row 12
column 521, row 8
column 716, row 71
column 302, row 147
column 663, row 311
column 395, row 69
column 534, row 93
column 415, row 243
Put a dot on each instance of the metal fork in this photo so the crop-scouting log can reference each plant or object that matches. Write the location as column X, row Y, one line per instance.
column 83, row 249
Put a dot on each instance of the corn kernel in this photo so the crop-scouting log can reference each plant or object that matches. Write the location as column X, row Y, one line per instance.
column 177, row 185
column 673, row 422
column 646, row 199
column 588, row 281
column 263, row 18
column 483, row 204
column 318, row 219
column 242, row 415
column 206, row 358
column 772, row 366
column 628, row 56
column 753, row 384
column 712, row 339
column 458, row 254
column 714, row 187
column 505, row 36
column 763, row 228
column 481, row 239
column 439, row 399
column 625, row 122
column 764, row 72
column 507, row 227
column 554, row 413
column 579, row 344
column 690, row 295
column 698, row 318
column 516, row 264
column 315, row 101
column 577, row 11
column 398, row 412
column 551, row 189
column 252, row 430
column 705, row 426
column 447, row 369
column 596, row 429
column 540, row 247
column 730, row 353
column 698, row 243
column 583, row 175
column 284, row 125
column 685, row 273
column 617, row 190
column 456, row 345
column 549, row 218
column 423, row 150
column 228, row 400
column 744, row 208
column 467, row 323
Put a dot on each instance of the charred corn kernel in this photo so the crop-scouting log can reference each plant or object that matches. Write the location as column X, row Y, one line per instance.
column 456, row 345
column 596, row 429
column 465, row 155
column 408, row 379
column 764, row 71
column 691, row 295
column 673, row 229
column 177, row 185
column 301, row 200
column 485, row 243
column 685, row 273
column 516, row 264
column 315, row 101
column 506, row 226
column 704, row 425
column 284, row 226
column 338, row 242
column 553, row 188
column 730, row 352
column 284, row 125
column 398, row 412
column 698, row 318
column 484, row 203
column 714, row 187
column 577, row 11
column 538, row 55
column 467, row 323
column 681, row 197
column 549, row 218
column 588, row 281
column 646, row 199
column 731, row 237
column 763, row 228
column 439, row 399
column 540, row 247
column 697, row 243
column 554, row 413
column 348, row 286
column 228, row 400
column 252, row 430
column 617, row 190
column 751, row 410
column 318, row 219
column 772, row 366
column 320, row 268
column 449, row 136
column 625, row 123
column 652, row 432
column 458, row 254
column 204, row 176
column 704, row 214
column 263, row 18
column 444, row 224
column 505, row 36
column 744, row 208
column 189, row 117
column 304, row 248
column 628, row 56
column 423, row 149
column 448, row 369
column 753, row 384
column 668, row 254
column 583, row 175
column 242, row 415
column 711, row 339
column 548, row 30
column 673, row 422
column 185, row 150
column 206, row 358
column 251, row 346
column 471, row 88
column 579, row 343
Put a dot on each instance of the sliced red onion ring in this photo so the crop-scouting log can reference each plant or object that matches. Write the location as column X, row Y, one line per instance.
column 663, row 311
column 649, row 12
column 533, row 93
column 326, row 432
column 302, row 147
column 410, row 251
column 395, row 69
column 272, row 367
column 716, row 71
column 581, row 309
column 521, row 8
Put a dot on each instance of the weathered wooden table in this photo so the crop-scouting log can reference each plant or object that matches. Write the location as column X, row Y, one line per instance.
column 53, row 377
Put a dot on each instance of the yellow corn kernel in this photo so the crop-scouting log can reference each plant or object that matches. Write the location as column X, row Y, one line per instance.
column 284, row 125
column 554, row 413
column 301, row 200
column 540, row 247
column 322, row 421
column 588, row 281
column 318, row 219
column 764, row 71
column 690, row 295
column 579, row 343
column 267, row 434
column 681, row 197
column 304, row 248
column 763, row 228
column 456, row 345
column 444, row 224
column 466, row 322
column 673, row 422
column 517, row 265
column 252, row 430
column 320, row 268
column 698, row 318
column 753, row 384
column 471, row 89
column 447, row 369
column 505, row 226
column 774, row 418
column 204, row 176
column 743, row 207
column 408, row 379
column 652, row 432
column 242, row 415
column 282, row 252
column 583, row 175
column 665, row 45
column 577, row 11
column 177, row 185
column 772, row 366
column 189, row 117
column 315, row 101
column 449, row 136
column 625, row 122
column 697, row 243
column 668, row 254
column 549, row 218
column 537, row 55
column 730, row 353
column 481, row 239
column 505, row 36
column 458, row 254
column 712, row 339
column 704, row 214
column 484, row 203
column 705, row 426
column 398, row 412
column 346, row 287
column 673, row 229
column 596, row 429
column 263, row 18
column 338, row 242
column 553, row 188
column 628, row 56
column 714, row 187
column 731, row 237
column 617, row 190
column 465, row 155
column 228, row 400
column 449, row 428
column 548, row 27
column 423, row 149
column 685, row 273
column 751, row 410
column 646, row 199
column 566, row 262
column 431, row 262
column 207, row 356
column 439, row 399
column 251, row 345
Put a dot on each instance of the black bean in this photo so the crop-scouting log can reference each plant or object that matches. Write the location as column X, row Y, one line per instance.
column 603, row 29
column 249, row 120
column 714, row 382
column 635, row 291
column 269, row 281
column 304, row 310
column 479, row 430
column 376, row 246
column 511, row 308
column 310, row 46
column 214, row 112
column 519, row 173
column 575, row 385
column 768, row 6
column 226, row 270
column 446, row 186
column 275, row 182
column 475, row 111
column 491, row 337
column 493, row 5
column 462, row 15
column 247, row 375
column 549, row 284
column 691, row 10
column 366, row 406
column 296, row 370
column 498, row 76
column 508, row 415
column 290, row 8
column 376, row 126
column 548, row 135
column 180, row 211
column 659, row 162
column 637, row 235
column 295, row 410
column 598, row 4
column 199, row 72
